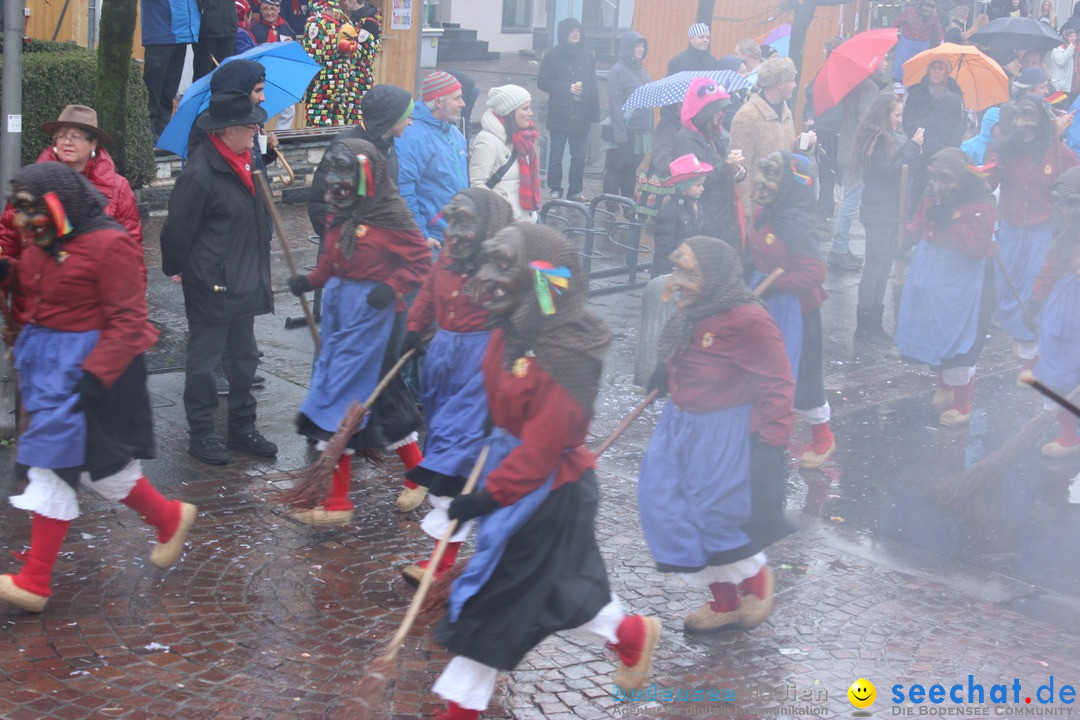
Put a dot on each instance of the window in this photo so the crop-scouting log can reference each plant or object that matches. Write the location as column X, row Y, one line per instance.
column 517, row 16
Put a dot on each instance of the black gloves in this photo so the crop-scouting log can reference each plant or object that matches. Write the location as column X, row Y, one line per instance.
column 413, row 341
column 466, row 507
column 89, row 389
column 380, row 296
column 299, row 284
column 5, row 268
column 658, row 380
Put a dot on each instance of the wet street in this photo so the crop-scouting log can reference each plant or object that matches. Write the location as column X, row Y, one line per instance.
column 901, row 573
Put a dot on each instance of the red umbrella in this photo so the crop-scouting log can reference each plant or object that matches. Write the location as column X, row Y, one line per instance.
column 850, row 64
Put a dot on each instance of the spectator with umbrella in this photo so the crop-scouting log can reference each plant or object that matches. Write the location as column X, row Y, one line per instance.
column 703, row 136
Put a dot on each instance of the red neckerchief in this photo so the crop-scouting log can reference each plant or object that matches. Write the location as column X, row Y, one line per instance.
column 239, row 162
column 271, row 34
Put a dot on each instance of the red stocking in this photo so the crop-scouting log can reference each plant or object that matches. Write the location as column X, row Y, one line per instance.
column 156, row 510
column 821, row 438
column 962, row 397
column 411, row 456
column 338, row 499
column 1068, row 437
column 46, row 539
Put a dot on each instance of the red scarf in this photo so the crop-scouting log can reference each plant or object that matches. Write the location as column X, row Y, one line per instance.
column 271, row 32
column 239, row 162
column 524, row 142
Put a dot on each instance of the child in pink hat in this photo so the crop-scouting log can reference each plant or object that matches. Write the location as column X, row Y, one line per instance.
column 680, row 217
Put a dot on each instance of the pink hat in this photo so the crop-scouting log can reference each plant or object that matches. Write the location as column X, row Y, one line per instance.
column 702, row 93
column 686, row 168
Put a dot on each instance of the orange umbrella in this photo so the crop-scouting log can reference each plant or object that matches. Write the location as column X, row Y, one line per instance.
column 982, row 80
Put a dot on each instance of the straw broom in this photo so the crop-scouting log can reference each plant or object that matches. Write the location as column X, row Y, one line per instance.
column 383, row 669
column 313, row 481
column 959, row 490
column 372, row 687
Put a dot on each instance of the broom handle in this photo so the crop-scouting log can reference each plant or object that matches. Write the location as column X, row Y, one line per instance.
column 428, row 577
column 264, row 188
column 1004, row 272
column 648, row 399
column 1028, row 377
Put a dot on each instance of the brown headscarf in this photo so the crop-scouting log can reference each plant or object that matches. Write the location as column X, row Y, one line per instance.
column 384, row 209
column 723, row 290
column 571, row 344
column 495, row 214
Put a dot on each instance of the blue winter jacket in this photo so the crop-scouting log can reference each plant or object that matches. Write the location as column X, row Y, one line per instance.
column 433, row 166
column 169, row 22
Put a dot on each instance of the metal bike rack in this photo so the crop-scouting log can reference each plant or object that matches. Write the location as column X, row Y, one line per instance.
column 589, row 233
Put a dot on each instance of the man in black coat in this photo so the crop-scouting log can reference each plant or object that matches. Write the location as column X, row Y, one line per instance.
column 217, row 36
column 218, row 239
column 568, row 76
column 697, row 55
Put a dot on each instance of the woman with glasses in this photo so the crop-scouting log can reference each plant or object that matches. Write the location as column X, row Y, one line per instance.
column 77, row 142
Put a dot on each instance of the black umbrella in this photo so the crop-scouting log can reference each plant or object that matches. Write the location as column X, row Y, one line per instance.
column 1017, row 33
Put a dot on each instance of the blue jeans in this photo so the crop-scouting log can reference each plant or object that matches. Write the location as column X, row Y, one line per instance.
column 579, row 151
column 849, row 208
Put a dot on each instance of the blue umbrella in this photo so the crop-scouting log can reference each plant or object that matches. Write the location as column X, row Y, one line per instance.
column 289, row 70
column 672, row 89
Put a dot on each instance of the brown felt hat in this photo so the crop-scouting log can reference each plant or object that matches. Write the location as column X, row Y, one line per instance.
column 79, row 116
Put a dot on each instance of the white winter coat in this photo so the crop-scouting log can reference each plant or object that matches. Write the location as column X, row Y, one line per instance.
column 490, row 151
column 1061, row 68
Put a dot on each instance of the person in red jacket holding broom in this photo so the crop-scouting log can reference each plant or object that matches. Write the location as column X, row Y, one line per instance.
column 782, row 238
column 1055, row 311
column 81, row 372
column 374, row 256
column 451, row 384
column 711, row 485
column 948, row 293
column 537, row 568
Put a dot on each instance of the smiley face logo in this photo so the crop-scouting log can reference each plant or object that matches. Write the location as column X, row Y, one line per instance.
column 862, row 693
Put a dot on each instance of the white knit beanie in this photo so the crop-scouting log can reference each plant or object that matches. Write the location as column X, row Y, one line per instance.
column 506, row 99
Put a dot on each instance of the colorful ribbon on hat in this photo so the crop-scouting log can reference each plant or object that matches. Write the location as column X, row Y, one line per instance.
column 366, row 185
column 59, row 216
column 548, row 278
column 800, row 168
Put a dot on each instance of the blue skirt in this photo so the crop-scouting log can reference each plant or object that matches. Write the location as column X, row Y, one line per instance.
column 694, row 491
column 455, row 404
column 939, row 308
column 49, row 364
column 355, row 337
column 1022, row 252
column 786, row 311
column 1059, row 336
column 906, row 48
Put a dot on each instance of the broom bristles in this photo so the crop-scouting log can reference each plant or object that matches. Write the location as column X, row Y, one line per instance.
column 313, row 481
column 439, row 595
column 957, row 491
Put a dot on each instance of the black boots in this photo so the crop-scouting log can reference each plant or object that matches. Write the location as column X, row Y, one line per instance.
column 868, row 327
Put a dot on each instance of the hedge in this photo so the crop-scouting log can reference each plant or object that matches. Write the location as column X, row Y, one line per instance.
column 59, row 74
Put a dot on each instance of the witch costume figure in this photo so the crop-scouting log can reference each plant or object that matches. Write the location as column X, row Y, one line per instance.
column 537, row 568
column 711, row 484
column 1055, row 311
column 374, row 255
column 81, row 373
column 782, row 238
column 451, row 382
column 948, row 294
column 1026, row 164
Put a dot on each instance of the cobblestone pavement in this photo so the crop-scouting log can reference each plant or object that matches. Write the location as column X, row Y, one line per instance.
column 264, row 618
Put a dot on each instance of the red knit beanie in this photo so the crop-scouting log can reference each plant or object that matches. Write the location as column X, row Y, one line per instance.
column 437, row 84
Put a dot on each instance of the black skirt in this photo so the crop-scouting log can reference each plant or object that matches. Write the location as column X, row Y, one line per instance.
column 119, row 427
column 550, row 578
